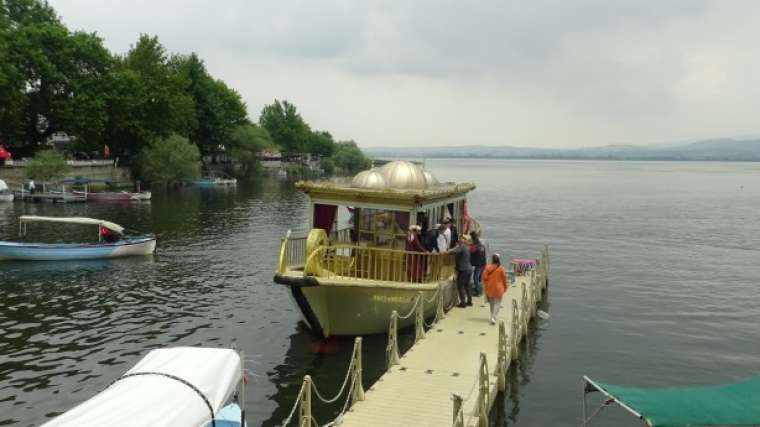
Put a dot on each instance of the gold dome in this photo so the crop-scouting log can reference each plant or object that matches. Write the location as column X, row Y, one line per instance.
column 371, row 178
column 403, row 175
column 429, row 178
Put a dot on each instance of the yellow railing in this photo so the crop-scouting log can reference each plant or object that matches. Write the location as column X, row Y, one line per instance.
column 390, row 265
column 292, row 253
column 342, row 236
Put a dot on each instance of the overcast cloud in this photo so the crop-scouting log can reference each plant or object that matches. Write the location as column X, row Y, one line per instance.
column 427, row 73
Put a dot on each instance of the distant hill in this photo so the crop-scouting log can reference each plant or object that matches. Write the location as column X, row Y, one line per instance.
column 724, row 149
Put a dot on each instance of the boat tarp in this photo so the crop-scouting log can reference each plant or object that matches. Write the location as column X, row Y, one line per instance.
column 736, row 404
column 73, row 220
column 156, row 400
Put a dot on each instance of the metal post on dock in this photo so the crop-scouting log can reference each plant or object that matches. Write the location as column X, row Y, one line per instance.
column 391, row 351
column 357, row 392
column 419, row 319
column 458, row 419
column 502, row 363
column 523, row 310
column 304, row 411
column 515, row 330
column 439, row 313
column 484, row 391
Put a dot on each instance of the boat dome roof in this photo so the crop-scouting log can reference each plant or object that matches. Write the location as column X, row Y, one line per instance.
column 404, row 175
column 429, row 178
column 371, row 178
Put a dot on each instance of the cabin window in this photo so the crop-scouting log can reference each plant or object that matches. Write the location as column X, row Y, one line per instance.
column 382, row 227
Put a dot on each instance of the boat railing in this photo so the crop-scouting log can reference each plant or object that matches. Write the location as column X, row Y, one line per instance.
column 343, row 261
column 292, row 253
column 342, row 235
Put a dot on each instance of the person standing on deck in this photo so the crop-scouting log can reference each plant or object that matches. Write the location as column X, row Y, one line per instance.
column 416, row 264
column 451, row 232
column 496, row 284
column 478, row 261
column 464, row 271
column 442, row 241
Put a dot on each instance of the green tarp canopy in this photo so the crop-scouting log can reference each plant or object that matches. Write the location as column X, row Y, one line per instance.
column 736, row 404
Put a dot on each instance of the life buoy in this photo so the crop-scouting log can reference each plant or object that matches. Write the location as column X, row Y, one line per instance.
column 317, row 238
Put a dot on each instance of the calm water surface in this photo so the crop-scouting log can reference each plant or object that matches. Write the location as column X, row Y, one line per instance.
column 655, row 269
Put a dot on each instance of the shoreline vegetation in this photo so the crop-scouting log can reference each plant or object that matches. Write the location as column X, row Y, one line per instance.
column 161, row 114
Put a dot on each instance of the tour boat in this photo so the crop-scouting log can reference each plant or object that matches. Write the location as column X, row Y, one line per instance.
column 5, row 194
column 171, row 387
column 347, row 281
column 121, row 245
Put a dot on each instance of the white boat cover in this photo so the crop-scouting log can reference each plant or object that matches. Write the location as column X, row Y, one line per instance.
column 156, row 400
column 3, row 185
column 73, row 220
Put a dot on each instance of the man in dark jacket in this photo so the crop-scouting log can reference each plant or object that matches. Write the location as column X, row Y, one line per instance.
column 464, row 271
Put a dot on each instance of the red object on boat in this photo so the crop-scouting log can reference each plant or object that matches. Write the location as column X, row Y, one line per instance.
column 5, row 154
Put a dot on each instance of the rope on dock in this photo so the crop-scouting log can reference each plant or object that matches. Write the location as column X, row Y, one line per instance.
column 408, row 315
column 295, row 406
column 342, row 387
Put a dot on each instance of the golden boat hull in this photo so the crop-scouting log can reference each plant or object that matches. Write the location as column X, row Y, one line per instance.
column 361, row 307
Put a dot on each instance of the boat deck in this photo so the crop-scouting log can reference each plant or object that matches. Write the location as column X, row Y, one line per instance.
column 418, row 391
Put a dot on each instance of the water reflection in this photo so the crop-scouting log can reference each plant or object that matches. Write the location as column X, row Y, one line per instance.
column 506, row 407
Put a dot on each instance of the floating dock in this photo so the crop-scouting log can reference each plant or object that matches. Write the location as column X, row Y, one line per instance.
column 50, row 197
column 453, row 372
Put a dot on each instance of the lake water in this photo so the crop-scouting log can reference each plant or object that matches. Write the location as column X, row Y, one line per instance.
column 655, row 275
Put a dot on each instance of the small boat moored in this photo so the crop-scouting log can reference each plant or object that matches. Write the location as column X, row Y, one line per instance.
column 214, row 181
column 112, row 242
column 172, row 387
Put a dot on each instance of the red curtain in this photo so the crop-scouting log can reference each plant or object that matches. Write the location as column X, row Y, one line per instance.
column 324, row 216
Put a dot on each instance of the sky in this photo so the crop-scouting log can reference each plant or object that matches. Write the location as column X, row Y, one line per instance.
column 559, row 74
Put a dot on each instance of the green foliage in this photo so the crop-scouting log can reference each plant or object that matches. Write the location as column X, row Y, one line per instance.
column 171, row 160
column 286, row 126
column 52, row 79
column 349, row 158
column 55, row 80
column 47, row 165
column 328, row 165
column 148, row 99
column 218, row 109
column 321, row 143
column 244, row 145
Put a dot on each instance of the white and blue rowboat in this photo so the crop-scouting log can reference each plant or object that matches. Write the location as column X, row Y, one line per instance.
column 30, row 251
column 172, row 387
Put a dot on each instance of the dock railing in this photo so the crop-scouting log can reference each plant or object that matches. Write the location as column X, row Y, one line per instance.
column 343, row 261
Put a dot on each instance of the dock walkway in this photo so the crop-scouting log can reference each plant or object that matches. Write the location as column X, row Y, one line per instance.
column 453, row 372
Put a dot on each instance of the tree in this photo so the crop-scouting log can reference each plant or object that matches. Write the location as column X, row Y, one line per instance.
column 47, row 165
column 349, row 158
column 52, row 79
column 148, row 99
column 219, row 110
column 172, row 160
column 285, row 125
column 245, row 144
column 320, row 142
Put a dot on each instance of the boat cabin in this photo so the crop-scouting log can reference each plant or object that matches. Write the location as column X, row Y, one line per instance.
column 376, row 207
